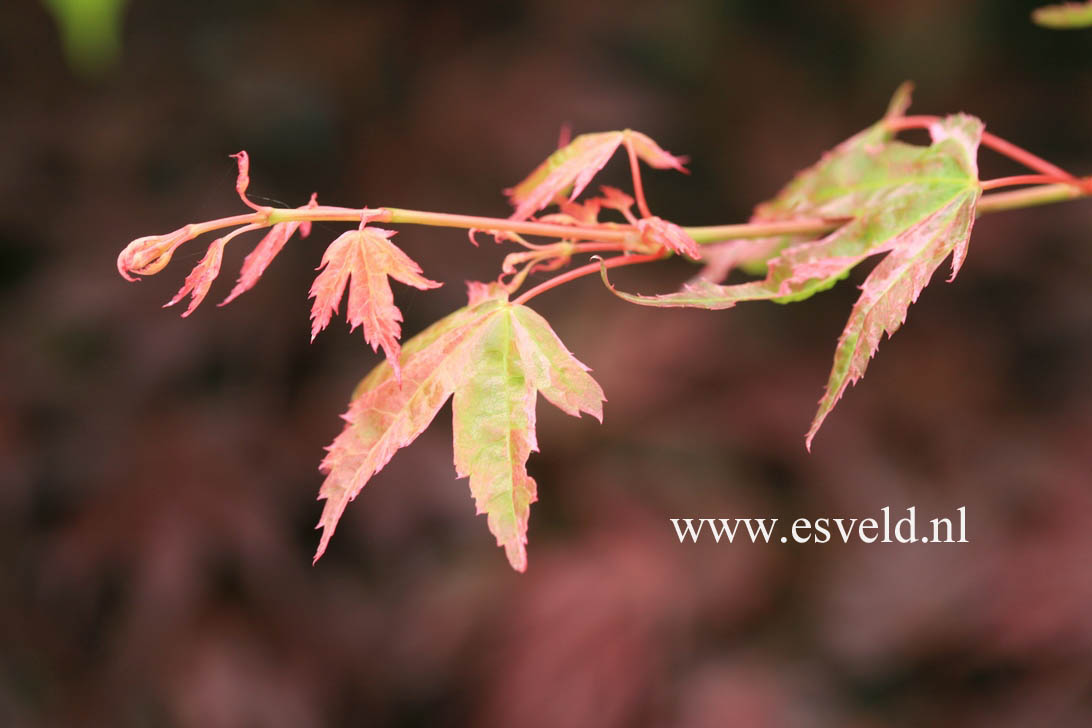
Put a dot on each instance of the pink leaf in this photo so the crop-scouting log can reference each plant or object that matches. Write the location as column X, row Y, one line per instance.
column 572, row 166
column 614, row 199
column 668, row 234
column 653, row 155
column 259, row 259
column 270, row 245
column 201, row 277
column 363, row 260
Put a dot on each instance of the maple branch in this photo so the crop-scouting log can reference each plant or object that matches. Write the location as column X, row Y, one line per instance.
column 604, row 231
column 717, row 233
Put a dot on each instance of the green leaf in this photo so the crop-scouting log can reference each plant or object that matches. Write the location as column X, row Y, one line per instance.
column 1066, row 16
column 90, row 33
column 914, row 203
column 494, row 357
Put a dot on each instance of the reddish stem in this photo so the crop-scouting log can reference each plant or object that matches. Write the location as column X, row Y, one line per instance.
column 992, row 141
column 586, row 270
column 1025, row 157
column 635, row 170
column 1022, row 179
column 597, row 247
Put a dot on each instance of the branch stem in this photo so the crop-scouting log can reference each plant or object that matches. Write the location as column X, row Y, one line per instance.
column 619, row 234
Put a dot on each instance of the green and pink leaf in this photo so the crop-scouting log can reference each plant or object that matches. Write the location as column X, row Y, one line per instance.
column 914, row 203
column 493, row 357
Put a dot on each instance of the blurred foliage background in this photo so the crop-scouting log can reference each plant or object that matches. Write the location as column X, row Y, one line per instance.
column 159, row 477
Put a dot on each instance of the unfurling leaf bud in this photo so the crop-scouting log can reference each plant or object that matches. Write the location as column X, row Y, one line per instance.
column 150, row 254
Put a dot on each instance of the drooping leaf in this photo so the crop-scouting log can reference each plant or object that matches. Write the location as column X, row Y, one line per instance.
column 914, row 203
column 200, row 279
column 363, row 260
column 888, row 291
column 387, row 414
column 566, row 172
column 517, row 356
column 1064, row 16
column 259, row 259
column 494, row 434
column 265, row 251
column 493, row 357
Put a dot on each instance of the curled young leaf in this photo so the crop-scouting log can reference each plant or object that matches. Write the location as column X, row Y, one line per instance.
column 150, row 254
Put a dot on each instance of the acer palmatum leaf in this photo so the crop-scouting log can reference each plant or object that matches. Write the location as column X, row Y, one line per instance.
column 899, row 278
column 265, row 251
column 904, row 200
column 387, row 414
column 259, row 259
column 566, row 172
column 668, row 234
column 517, row 356
column 653, row 155
column 494, row 357
column 614, row 199
column 363, row 260
column 200, row 279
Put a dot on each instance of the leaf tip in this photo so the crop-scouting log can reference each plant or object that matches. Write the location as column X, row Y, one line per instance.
column 900, row 101
column 517, row 556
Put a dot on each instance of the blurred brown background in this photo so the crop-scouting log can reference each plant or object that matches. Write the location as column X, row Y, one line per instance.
column 159, row 475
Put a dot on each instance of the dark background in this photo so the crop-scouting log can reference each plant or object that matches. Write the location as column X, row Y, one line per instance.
column 159, row 475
